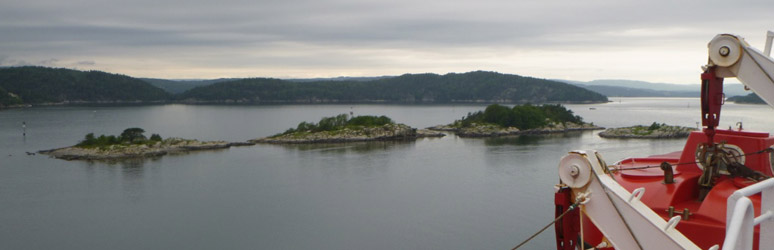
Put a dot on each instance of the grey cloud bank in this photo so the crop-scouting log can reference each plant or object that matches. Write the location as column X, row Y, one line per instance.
column 581, row 40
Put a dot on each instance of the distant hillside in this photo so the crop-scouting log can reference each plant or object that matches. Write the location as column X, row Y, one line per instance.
column 751, row 98
column 40, row 85
column 629, row 88
column 637, row 92
column 340, row 78
column 180, row 86
column 478, row 86
column 34, row 85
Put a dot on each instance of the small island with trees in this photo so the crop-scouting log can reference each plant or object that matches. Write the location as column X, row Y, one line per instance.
column 499, row 120
column 654, row 131
column 343, row 128
column 751, row 98
column 132, row 143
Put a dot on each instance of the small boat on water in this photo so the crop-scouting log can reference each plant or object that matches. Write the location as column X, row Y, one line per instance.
column 717, row 193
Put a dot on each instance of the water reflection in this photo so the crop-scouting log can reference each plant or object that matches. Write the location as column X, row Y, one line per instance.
column 128, row 175
column 530, row 139
column 344, row 160
column 350, row 147
column 433, row 193
column 530, row 157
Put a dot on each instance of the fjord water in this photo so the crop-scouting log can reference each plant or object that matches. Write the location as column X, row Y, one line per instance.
column 443, row 193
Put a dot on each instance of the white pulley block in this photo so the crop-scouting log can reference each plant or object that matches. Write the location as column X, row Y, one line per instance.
column 575, row 170
column 724, row 50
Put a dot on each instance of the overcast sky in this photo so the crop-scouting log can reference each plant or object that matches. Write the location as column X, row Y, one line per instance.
column 650, row 40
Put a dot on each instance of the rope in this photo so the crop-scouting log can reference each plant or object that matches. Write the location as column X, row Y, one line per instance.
column 694, row 162
column 572, row 207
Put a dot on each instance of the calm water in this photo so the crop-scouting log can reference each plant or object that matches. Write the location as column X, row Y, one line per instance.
column 447, row 193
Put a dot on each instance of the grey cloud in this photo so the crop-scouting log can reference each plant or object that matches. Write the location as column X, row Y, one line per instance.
column 235, row 23
column 48, row 62
column 242, row 29
column 8, row 61
column 86, row 63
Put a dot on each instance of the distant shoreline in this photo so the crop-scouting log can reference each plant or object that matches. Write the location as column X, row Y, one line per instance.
column 151, row 103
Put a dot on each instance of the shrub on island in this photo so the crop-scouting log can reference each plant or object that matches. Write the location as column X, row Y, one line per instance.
column 340, row 122
column 129, row 136
column 522, row 117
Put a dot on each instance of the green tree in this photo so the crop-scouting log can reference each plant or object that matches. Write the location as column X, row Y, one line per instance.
column 332, row 123
column 498, row 114
column 88, row 140
column 655, row 126
column 133, row 135
column 369, row 121
column 528, row 117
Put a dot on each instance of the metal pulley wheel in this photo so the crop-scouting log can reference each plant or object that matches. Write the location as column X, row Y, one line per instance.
column 725, row 50
column 575, row 170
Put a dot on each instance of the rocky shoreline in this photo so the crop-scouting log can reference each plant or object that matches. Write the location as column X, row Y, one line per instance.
column 644, row 132
column 380, row 133
column 177, row 145
column 489, row 130
column 121, row 151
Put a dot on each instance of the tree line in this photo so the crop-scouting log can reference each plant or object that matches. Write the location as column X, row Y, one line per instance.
column 34, row 85
column 523, row 117
column 478, row 86
column 129, row 136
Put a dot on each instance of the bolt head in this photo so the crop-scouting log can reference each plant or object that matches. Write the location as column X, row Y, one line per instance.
column 574, row 170
column 724, row 51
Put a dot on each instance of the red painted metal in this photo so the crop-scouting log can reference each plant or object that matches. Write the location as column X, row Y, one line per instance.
column 711, row 100
column 566, row 229
column 706, row 221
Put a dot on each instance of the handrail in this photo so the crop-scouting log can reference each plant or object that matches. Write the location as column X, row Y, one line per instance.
column 741, row 220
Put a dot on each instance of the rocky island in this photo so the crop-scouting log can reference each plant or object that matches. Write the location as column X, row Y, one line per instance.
column 342, row 128
column 132, row 144
column 654, row 131
column 497, row 120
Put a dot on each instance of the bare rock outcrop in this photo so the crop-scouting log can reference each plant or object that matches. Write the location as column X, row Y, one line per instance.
column 122, row 151
column 656, row 131
column 379, row 133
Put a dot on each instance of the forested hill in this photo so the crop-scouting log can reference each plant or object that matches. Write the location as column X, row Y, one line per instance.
column 478, row 86
column 39, row 85
column 180, row 86
column 34, row 85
